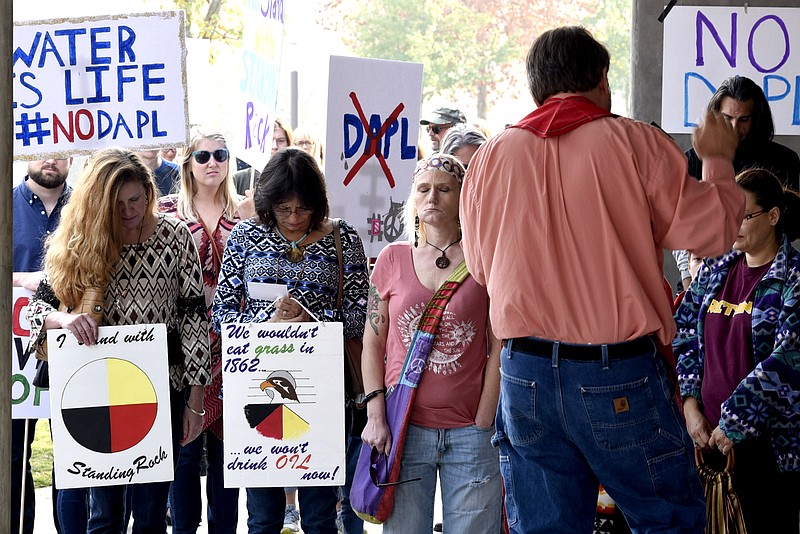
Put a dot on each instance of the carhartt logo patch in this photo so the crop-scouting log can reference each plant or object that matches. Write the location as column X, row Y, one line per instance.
column 621, row 405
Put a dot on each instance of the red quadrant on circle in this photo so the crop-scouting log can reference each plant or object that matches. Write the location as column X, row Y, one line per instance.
column 130, row 423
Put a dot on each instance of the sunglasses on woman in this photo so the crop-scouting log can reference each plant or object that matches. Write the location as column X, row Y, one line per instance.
column 375, row 458
column 203, row 156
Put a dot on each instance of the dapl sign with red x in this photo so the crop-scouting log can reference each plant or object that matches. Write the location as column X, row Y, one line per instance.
column 371, row 144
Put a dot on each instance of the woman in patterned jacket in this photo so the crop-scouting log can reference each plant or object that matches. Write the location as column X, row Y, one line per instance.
column 110, row 236
column 291, row 242
column 738, row 352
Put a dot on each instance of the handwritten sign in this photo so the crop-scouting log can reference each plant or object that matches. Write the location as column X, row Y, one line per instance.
column 373, row 128
column 283, row 385
column 262, row 43
column 85, row 84
column 703, row 46
column 27, row 400
column 110, row 407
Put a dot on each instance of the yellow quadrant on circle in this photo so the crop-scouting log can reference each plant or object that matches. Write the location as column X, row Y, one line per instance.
column 127, row 384
column 294, row 426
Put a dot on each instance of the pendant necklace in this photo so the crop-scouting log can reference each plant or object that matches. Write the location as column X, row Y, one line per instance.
column 294, row 253
column 442, row 261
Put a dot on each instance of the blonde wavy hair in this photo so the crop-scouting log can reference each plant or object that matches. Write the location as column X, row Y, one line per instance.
column 227, row 189
column 84, row 250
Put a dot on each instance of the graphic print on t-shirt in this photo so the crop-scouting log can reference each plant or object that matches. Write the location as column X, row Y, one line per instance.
column 452, row 340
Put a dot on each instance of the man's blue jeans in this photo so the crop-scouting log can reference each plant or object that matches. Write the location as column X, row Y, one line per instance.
column 563, row 425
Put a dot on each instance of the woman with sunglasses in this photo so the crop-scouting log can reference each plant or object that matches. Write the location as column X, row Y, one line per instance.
column 452, row 418
column 111, row 237
column 738, row 352
column 207, row 202
column 291, row 242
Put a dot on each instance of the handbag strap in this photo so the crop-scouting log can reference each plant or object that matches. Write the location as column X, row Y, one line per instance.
column 337, row 238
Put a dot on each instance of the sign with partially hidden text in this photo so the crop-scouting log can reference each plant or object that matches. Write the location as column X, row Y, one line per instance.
column 703, row 46
column 27, row 400
column 110, row 407
column 283, row 385
column 262, row 44
column 84, row 84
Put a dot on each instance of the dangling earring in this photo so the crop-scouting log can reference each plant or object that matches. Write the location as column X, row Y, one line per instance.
column 416, row 231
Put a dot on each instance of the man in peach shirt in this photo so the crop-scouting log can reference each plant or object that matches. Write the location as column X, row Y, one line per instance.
column 564, row 217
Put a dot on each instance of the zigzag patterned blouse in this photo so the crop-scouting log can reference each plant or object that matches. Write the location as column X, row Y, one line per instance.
column 158, row 281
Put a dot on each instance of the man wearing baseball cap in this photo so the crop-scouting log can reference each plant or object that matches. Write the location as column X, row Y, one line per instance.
column 439, row 122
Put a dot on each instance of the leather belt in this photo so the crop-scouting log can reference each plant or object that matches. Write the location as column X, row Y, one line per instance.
column 533, row 346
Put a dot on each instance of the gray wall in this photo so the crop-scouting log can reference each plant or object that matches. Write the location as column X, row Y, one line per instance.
column 647, row 62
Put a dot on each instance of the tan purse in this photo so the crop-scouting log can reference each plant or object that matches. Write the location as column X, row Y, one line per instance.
column 91, row 303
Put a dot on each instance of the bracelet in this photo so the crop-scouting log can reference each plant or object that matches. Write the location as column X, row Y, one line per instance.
column 372, row 394
column 201, row 413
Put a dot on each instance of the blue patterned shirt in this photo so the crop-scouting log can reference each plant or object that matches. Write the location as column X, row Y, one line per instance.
column 766, row 401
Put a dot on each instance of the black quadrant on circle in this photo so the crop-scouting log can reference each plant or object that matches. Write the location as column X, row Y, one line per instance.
column 256, row 413
column 91, row 427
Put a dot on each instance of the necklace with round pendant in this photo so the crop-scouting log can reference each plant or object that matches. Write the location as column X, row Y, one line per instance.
column 443, row 262
column 294, row 252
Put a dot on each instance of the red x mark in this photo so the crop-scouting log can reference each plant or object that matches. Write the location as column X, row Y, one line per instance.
column 372, row 148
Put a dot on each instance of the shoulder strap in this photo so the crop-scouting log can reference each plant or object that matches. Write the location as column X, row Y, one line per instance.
column 337, row 238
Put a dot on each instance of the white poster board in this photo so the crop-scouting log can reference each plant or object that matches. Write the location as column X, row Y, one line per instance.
column 283, row 385
column 262, row 44
column 87, row 83
column 704, row 45
column 110, row 407
column 27, row 400
column 371, row 140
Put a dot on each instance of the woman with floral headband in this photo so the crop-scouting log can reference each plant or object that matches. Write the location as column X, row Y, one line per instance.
column 452, row 417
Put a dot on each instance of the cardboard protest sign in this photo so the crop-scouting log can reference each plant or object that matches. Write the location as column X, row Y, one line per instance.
column 262, row 43
column 27, row 400
column 705, row 45
column 84, row 84
column 283, row 386
column 372, row 133
column 110, row 407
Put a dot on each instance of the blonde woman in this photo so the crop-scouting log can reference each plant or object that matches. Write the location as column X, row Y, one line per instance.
column 208, row 203
column 110, row 236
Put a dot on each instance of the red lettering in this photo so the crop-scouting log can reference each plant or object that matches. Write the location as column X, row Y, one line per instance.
column 86, row 113
column 16, row 327
column 58, row 125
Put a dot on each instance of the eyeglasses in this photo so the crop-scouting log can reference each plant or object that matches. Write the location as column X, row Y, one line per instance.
column 748, row 216
column 437, row 128
column 304, row 143
column 286, row 212
column 377, row 457
column 202, row 156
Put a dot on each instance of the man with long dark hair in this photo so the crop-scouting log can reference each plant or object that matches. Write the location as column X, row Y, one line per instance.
column 745, row 106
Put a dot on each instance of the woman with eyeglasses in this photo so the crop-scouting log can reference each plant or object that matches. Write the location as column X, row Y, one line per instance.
column 738, row 352
column 291, row 243
column 111, row 237
column 452, row 418
column 208, row 203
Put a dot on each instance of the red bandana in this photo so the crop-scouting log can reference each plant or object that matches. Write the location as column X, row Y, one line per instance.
column 558, row 116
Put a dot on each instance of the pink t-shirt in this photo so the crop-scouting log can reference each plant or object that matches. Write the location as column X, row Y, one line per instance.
column 451, row 385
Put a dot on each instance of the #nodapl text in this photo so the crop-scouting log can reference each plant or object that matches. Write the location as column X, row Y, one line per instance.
column 114, row 473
